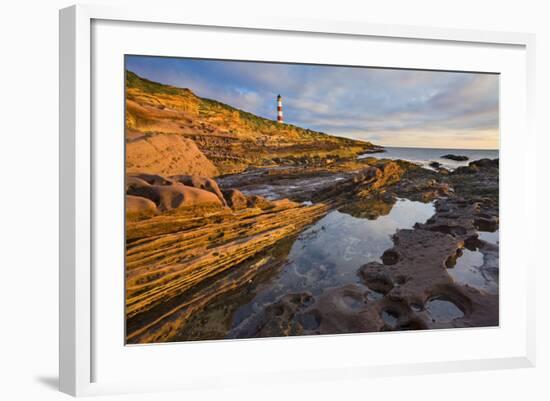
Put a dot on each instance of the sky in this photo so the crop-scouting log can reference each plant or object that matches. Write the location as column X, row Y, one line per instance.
column 389, row 107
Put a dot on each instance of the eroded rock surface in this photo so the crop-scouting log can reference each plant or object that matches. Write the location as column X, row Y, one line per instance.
column 175, row 196
column 188, row 270
column 201, row 182
column 413, row 288
column 235, row 199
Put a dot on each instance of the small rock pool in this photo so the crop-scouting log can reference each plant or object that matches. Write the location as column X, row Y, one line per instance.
column 329, row 254
column 478, row 267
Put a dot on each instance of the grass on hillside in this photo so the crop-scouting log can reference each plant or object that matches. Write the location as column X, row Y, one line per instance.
column 135, row 81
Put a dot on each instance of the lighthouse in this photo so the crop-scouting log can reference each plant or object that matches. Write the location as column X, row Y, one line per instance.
column 279, row 109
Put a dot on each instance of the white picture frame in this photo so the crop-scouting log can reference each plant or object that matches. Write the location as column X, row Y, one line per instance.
column 78, row 221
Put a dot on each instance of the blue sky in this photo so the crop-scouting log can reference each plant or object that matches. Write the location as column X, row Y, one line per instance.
column 386, row 106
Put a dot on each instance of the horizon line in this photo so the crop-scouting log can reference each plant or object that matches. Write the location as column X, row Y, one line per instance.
column 326, row 132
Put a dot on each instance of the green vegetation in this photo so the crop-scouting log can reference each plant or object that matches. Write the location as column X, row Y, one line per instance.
column 135, row 81
column 231, row 138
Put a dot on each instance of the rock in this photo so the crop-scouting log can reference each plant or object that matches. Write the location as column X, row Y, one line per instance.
column 151, row 179
column 285, row 203
column 368, row 174
column 489, row 224
column 201, row 182
column 363, row 183
column 235, row 199
column 465, row 170
column 390, row 173
column 137, row 206
column 167, row 154
column 241, row 246
column 369, row 208
column 259, row 202
column 390, row 257
column 444, row 189
column 458, row 158
column 135, row 182
column 389, row 197
column 280, row 316
column 345, row 310
column 168, row 197
column 485, row 163
column 435, row 165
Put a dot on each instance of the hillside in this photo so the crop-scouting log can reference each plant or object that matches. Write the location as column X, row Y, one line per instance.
column 170, row 130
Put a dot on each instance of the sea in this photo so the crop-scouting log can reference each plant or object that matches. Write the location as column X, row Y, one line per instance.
column 424, row 156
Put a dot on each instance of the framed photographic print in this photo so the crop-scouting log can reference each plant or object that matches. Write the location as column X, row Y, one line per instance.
column 289, row 198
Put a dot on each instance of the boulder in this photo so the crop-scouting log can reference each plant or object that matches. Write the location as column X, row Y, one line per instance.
column 435, row 165
column 201, row 182
column 258, row 201
column 140, row 206
column 135, row 182
column 368, row 174
column 391, row 173
column 175, row 196
column 235, row 199
column 151, row 179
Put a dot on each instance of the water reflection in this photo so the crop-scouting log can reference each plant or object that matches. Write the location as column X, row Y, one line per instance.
column 470, row 270
column 328, row 254
column 491, row 237
column 442, row 310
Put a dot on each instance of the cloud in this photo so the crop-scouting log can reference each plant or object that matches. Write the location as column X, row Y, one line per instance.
column 388, row 106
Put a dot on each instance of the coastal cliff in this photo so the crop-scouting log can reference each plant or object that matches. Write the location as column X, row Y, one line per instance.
column 211, row 134
column 239, row 227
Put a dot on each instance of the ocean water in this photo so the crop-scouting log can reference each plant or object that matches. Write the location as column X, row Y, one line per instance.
column 424, row 156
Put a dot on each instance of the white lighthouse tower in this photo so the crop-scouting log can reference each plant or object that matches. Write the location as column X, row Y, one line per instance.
column 279, row 109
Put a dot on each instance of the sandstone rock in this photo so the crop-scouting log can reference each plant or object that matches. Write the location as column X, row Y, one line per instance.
column 391, row 173
column 135, row 182
column 151, row 179
column 201, row 182
column 168, row 197
column 191, row 260
column 162, row 119
column 284, row 203
column 368, row 174
column 369, row 208
column 167, row 154
column 259, row 202
column 363, row 183
column 235, row 199
column 139, row 206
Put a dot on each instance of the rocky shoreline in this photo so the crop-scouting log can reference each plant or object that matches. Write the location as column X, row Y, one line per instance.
column 196, row 246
